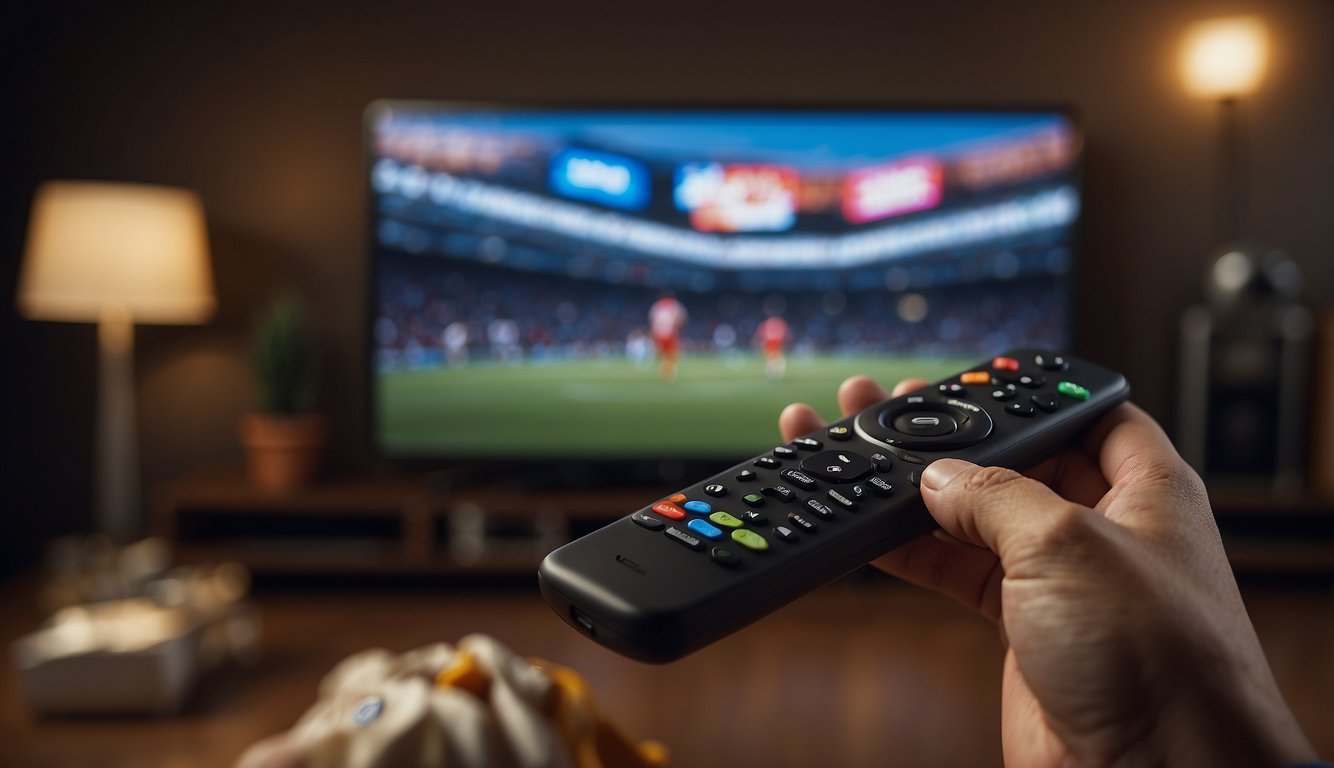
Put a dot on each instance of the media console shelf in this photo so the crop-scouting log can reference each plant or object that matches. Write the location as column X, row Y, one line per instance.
column 400, row 525
column 375, row 525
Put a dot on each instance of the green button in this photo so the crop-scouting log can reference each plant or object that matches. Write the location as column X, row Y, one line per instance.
column 753, row 499
column 1073, row 390
column 725, row 520
column 750, row 539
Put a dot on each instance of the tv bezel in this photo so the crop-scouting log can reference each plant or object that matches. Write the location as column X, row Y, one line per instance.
column 583, row 470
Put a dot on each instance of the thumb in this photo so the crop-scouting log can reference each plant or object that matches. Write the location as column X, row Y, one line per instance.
column 1012, row 515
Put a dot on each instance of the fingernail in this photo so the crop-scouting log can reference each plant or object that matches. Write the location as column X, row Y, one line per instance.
column 941, row 472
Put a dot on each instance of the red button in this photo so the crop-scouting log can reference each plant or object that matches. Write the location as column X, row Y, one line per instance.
column 669, row 510
column 976, row 377
column 1005, row 364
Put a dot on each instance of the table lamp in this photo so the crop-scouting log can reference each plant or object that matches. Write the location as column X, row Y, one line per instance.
column 116, row 254
column 1244, row 354
column 1224, row 60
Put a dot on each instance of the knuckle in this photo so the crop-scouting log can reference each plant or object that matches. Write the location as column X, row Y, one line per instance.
column 1067, row 526
column 988, row 479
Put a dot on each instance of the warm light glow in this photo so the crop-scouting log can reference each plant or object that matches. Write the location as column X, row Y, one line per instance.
column 1224, row 58
column 96, row 248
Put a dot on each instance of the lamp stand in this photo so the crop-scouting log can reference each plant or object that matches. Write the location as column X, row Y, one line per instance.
column 1232, row 156
column 117, row 460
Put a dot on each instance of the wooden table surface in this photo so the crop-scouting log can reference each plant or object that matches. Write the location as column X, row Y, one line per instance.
column 865, row 672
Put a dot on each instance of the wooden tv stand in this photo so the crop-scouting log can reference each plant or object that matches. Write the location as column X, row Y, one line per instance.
column 381, row 525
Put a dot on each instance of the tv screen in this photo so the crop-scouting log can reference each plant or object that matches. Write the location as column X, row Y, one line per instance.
column 617, row 283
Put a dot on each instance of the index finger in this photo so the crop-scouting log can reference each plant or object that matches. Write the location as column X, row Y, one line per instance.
column 861, row 392
column 1134, row 453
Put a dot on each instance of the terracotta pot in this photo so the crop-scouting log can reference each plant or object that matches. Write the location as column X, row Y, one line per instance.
column 282, row 452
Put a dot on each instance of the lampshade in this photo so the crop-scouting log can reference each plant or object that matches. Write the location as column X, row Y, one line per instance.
column 131, row 249
column 1224, row 58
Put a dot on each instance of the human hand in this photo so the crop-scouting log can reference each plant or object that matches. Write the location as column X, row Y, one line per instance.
column 1126, row 640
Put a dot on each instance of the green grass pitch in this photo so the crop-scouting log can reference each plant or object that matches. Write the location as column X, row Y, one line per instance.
column 615, row 408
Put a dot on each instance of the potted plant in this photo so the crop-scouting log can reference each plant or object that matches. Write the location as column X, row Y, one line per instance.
column 285, row 439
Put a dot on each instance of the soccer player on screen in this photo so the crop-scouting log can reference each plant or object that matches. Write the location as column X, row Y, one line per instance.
column 772, row 335
column 665, row 319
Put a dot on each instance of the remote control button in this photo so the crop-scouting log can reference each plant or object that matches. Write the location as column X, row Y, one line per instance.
column 885, row 426
column 841, row 500
column 808, row 444
column 976, row 377
column 675, row 498
column 768, row 462
column 856, row 492
column 799, row 479
column 714, row 489
column 823, row 511
column 911, row 458
column 648, row 521
column 1047, row 402
column 1006, row 392
column 1049, row 362
column 750, row 540
column 745, row 476
column 754, row 518
column 1019, row 409
column 784, row 452
column 1072, row 390
column 669, row 510
column 837, row 466
column 698, row 507
column 915, row 477
column 780, row 492
column 925, row 424
column 785, row 533
column 1032, row 382
column 753, row 499
column 801, row 522
column 724, row 557
column 881, row 462
column 678, row 535
column 705, row 528
column 953, row 389
column 839, row 433
column 1005, row 364
column 880, row 487
column 725, row 520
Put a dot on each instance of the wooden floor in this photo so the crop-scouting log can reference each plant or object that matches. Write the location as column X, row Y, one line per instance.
column 866, row 672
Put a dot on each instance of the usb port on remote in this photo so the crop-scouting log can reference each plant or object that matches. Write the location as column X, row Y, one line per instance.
column 581, row 621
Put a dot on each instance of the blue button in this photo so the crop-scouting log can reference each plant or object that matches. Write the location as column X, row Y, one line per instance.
column 705, row 528
column 698, row 507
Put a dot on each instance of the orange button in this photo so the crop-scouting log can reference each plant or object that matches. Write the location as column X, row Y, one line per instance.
column 676, row 498
column 669, row 510
column 1005, row 364
column 976, row 377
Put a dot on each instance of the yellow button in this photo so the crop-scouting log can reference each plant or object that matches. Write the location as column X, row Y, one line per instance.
column 725, row 520
column 750, row 539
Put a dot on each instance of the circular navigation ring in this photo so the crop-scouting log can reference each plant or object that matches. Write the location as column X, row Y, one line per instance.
column 925, row 423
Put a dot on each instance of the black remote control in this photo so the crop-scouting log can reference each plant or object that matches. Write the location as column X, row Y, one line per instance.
column 704, row 562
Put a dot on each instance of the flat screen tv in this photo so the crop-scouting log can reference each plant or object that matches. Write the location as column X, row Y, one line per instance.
column 613, row 283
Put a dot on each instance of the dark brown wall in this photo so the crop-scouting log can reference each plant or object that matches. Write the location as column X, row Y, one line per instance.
column 258, row 108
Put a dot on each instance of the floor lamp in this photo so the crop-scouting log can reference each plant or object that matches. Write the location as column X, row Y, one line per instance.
column 116, row 255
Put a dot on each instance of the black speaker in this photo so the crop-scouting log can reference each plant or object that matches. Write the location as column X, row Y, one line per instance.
column 1243, row 404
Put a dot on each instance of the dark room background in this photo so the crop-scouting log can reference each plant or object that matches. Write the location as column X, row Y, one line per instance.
column 257, row 107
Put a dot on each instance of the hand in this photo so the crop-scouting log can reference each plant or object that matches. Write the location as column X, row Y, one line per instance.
column 1126, row 638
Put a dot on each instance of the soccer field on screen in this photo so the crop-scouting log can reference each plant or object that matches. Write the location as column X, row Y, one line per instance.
column 615, row 408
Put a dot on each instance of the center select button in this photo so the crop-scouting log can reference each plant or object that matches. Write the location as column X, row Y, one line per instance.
column 925, row 423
